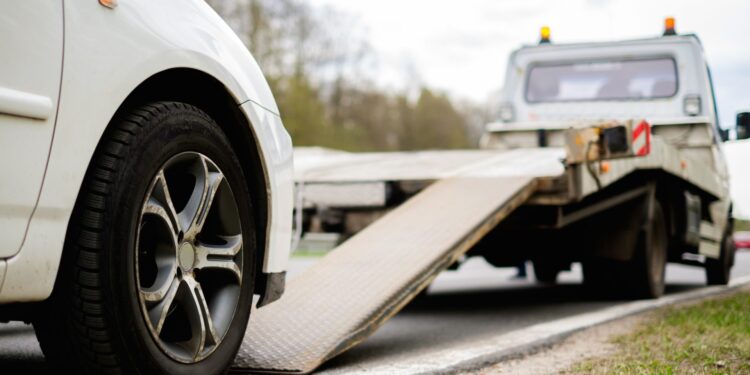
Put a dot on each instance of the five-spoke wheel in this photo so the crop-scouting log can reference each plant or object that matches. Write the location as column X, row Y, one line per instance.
column 158, row 272
column 189, row 257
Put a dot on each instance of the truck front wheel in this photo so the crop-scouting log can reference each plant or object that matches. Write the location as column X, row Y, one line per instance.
column 645, row 272
column 718, row 270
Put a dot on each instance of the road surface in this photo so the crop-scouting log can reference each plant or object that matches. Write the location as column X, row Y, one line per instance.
column 478, row 301
column 469, row 304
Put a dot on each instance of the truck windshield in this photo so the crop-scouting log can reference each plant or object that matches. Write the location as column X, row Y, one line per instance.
column 602, row 80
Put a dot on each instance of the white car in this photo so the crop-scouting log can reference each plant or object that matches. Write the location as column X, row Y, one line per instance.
column 146, row 189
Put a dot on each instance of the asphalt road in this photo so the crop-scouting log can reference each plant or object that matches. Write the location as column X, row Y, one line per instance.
column 469, row 304
column 478, row 301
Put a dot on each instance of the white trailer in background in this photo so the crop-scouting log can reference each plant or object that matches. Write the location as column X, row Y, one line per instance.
column 608, row 154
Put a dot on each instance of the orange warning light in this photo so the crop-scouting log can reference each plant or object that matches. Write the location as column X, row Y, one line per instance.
column 669, row 26
column 544, row 35
column 108, row 3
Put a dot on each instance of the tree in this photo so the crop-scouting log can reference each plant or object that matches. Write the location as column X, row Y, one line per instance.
column 312, row 59
column 435, row 124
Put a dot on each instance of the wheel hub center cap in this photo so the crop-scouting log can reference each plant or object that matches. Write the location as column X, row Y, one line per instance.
column 186, row 256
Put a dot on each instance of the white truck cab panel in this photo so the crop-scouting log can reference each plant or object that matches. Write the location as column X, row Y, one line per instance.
column 685, row 51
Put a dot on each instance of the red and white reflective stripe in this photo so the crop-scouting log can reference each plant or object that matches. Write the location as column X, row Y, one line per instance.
column 642, row 139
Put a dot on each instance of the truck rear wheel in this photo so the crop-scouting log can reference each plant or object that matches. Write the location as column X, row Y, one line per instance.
column 718, row 271
column 645, row 272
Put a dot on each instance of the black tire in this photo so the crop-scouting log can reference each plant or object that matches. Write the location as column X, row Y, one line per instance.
column 546, row 272
column 718, row 271
column 95, row 321
column 644, row 274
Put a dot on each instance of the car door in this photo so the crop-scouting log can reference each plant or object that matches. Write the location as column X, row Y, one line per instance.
column 31, row 50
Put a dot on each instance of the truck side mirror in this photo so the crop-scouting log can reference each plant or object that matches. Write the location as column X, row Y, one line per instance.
column 724, row 134
column 743, row 125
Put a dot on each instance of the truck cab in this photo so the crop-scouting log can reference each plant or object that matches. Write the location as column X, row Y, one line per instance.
column 663, row 81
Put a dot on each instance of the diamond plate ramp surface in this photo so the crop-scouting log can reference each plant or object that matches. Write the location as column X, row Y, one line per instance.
column 348, row 294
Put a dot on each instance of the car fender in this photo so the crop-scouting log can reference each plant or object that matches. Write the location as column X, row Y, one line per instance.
column 108, row 54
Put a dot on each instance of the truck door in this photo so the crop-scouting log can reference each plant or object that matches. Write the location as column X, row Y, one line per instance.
column 31, row 49
column 720, row 162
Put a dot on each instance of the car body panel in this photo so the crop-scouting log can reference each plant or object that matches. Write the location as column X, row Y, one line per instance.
column 29, row 89
column 279, row 160
column 108, row 54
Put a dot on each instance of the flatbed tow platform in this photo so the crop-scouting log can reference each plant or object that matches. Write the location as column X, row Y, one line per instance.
column 347, row 295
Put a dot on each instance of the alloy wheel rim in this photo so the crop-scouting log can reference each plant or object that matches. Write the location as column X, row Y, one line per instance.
column 188, row 258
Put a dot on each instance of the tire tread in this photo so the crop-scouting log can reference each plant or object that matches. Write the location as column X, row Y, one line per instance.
column 89, row 331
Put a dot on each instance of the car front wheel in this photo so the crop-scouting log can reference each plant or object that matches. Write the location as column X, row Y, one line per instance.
column 157, row 272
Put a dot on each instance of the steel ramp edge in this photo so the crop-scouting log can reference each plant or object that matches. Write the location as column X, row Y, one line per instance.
column 348, row 294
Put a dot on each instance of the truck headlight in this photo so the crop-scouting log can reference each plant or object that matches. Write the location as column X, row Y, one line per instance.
column 692, row 105
column 507, row 113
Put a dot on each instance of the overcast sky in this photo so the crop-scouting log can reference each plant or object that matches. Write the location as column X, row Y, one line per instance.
column 461, row 47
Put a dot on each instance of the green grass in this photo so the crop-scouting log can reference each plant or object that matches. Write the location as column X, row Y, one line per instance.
column 741, row 225
column 710, row 338
column 309, row 254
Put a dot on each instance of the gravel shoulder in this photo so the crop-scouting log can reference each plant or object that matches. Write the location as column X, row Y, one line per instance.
column 591, row 343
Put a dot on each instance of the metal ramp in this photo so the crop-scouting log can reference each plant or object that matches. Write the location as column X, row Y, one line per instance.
column 347, row 295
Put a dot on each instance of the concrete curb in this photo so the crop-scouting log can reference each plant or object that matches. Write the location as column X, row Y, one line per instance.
column 478, row 354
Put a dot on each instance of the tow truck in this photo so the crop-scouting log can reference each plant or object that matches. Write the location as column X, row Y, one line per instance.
column 607, row 154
